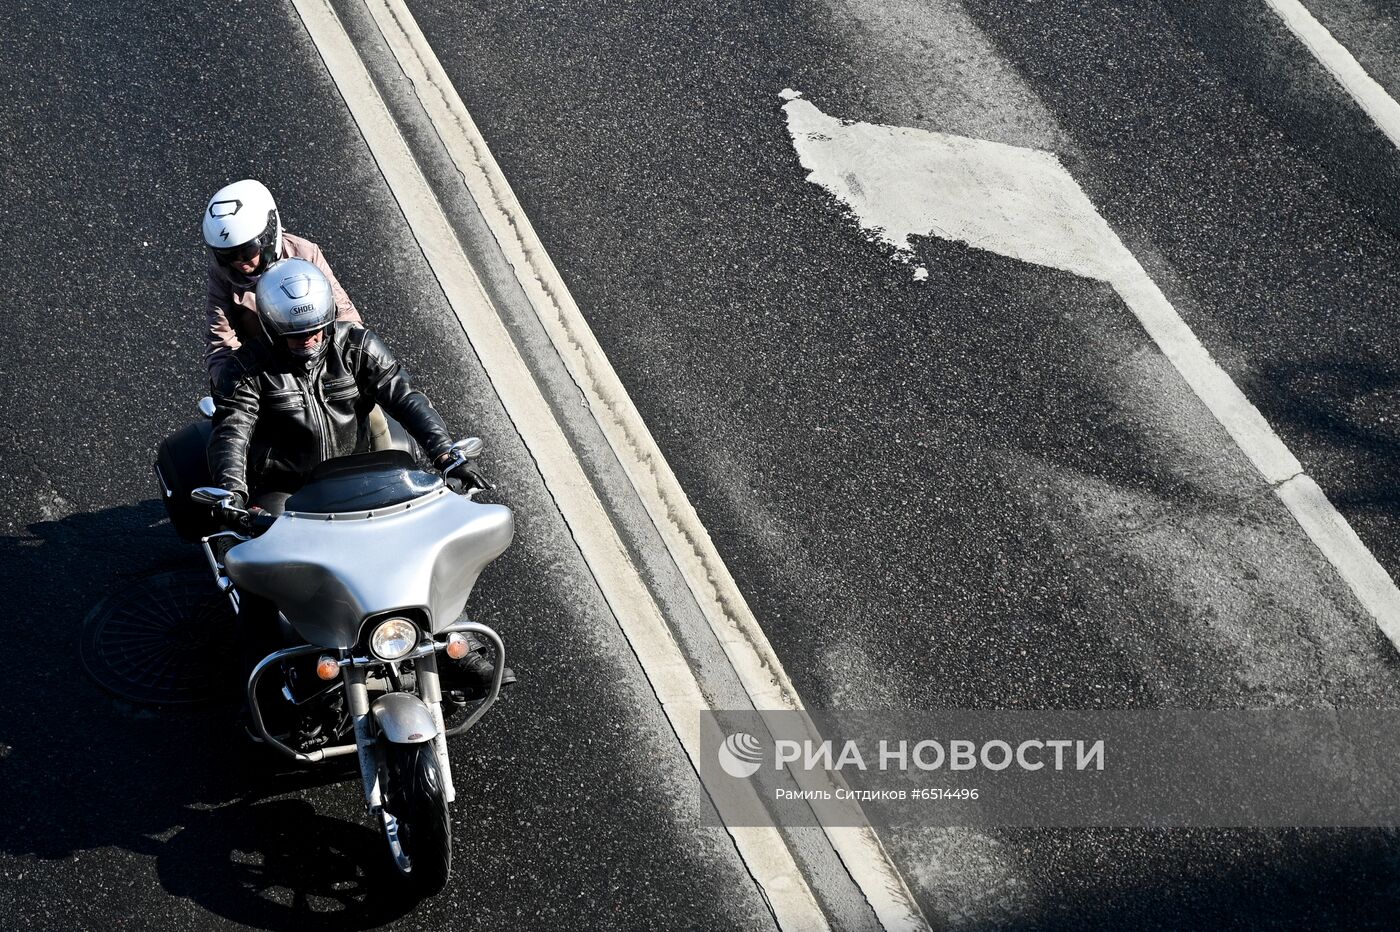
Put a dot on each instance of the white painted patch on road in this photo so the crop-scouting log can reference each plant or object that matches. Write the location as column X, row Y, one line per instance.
column 1332, row 55
column 900, row 182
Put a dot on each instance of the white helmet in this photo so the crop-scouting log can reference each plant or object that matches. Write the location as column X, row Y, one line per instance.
column 241, row 221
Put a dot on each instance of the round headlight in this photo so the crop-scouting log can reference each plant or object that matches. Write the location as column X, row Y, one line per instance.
column 393, row 639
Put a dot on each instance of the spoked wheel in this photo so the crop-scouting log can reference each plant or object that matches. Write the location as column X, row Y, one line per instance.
column 149, row 642
column 414, row 819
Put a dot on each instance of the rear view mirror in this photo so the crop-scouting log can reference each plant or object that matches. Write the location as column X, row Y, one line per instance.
column 469, row 448
column 214, row 498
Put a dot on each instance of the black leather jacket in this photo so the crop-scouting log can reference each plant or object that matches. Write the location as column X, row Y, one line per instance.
column 277, row 419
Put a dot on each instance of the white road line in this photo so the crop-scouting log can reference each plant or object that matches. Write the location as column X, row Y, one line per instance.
column 1017, row 202
column 1333, row 56
column 763, row 850
column 1328, row 529
column 724, row 606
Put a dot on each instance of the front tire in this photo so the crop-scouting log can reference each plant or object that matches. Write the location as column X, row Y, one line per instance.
column 420, row 833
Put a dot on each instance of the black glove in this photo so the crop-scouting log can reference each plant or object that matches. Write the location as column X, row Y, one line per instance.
column 470, row 477
column 228, row 515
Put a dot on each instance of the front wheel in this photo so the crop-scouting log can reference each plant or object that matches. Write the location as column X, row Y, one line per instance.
column 415, row 819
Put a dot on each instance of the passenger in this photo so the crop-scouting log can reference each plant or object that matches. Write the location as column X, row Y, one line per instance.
column 244, row 233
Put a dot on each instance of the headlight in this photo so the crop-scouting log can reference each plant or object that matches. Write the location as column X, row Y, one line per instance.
column 393, row 639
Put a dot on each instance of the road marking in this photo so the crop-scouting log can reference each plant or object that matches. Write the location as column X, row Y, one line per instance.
column 1333, row 56
column 764, row 852
column 1022, row 203
column 706, row 575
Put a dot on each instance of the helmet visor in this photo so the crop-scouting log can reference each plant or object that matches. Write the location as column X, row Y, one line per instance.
column 307, row 344
column 241, row 253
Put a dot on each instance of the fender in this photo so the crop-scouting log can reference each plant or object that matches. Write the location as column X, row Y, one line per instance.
column 403, row 718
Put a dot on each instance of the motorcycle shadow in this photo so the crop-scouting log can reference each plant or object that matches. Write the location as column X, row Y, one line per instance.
column 278, row 864
column 87, row 776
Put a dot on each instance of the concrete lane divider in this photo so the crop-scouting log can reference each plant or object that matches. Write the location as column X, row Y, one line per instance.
column 763, row 851
column 726, row 610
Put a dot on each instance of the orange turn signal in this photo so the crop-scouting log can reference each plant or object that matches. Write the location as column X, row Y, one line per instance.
column 457, row 646
column 327, row 668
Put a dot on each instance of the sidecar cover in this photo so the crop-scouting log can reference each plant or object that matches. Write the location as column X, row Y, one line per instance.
column 327, row 572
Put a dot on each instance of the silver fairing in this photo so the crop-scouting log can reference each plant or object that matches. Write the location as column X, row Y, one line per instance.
column 327, row 572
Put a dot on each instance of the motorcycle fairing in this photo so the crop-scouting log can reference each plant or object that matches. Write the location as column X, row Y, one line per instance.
column 328, row 572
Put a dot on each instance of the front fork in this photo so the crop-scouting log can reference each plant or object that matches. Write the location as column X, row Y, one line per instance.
column 430, row 689
column 358, row 692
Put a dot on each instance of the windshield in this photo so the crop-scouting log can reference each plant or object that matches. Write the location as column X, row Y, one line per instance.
column 364, row 482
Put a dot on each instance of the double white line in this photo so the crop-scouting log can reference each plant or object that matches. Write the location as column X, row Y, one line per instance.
column 763, row 850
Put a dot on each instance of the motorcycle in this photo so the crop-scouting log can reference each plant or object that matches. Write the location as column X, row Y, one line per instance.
column 369, row 568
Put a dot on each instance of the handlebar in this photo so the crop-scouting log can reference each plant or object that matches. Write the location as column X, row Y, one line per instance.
column 462, row 456
column 463, row 452
column 255, row 520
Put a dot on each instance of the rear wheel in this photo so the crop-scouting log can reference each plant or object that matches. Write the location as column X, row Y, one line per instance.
column 415, row 820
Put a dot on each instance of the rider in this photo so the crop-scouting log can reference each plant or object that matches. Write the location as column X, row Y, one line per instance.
column 243, row 231
column 303, row 395
column 308, row 358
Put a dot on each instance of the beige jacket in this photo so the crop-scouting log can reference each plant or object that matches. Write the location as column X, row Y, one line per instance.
column 232, row 313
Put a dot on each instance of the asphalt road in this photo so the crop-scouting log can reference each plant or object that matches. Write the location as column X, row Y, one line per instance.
column 576, row 806
column 984, row 490
column 989, row 489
